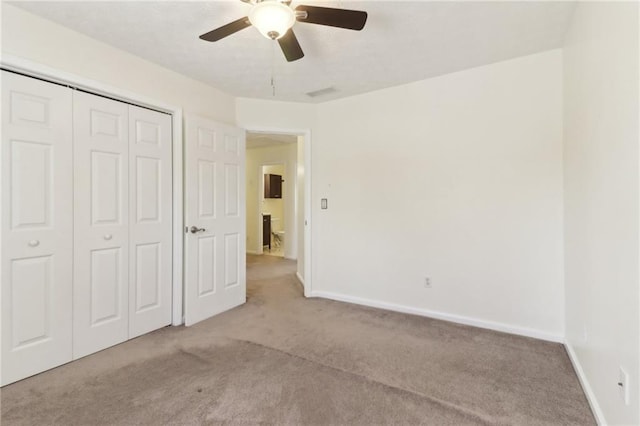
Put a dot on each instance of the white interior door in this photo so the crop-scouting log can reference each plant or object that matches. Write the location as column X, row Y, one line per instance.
column 101, row 243
column 37, row 226
column 150, row 207
column 215, row 274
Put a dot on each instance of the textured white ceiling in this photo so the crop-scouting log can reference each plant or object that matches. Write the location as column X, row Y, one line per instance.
column 402, row 41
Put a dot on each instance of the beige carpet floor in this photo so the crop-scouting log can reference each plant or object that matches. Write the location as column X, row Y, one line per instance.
column 283, row 359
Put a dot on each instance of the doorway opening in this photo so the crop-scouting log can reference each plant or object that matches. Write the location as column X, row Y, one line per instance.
column 275, row 191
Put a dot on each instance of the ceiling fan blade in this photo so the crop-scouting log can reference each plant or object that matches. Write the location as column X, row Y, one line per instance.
column 226, row 30
column 290, row 46
column 341, row 18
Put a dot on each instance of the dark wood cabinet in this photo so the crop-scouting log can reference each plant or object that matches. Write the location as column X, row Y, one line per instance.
column 272, row 186
column 266, row 230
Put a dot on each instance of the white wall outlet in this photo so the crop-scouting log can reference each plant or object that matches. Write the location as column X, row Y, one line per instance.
column 427, row 282
column 623, row 386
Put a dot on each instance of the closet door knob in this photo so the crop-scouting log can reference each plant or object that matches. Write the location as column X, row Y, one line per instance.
column 34, row 243
column 195, row 229
column 108, row 237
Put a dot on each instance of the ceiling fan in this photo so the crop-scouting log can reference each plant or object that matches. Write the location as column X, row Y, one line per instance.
column 275, row 19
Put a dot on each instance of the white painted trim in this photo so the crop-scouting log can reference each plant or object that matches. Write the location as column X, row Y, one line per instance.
column 586, row 387
column 35, row 69
column 300, row 278
column 259, row 236
column 308, row 196
column 177, row 308
column 306, row 133
column 459, row 319
column 253, row 252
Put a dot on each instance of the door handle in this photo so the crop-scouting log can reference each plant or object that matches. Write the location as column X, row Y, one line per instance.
column 195, row 229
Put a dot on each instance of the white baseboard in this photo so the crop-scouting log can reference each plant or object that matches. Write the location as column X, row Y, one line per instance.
column 522, row 331
column 586, row 387
column 254, row 252
column 299, row 277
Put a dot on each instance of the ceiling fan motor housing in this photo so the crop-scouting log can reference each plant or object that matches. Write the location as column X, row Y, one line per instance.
column 272, row 18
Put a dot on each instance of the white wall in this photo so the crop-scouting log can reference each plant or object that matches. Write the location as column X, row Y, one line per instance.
column 39, row 40
column 458, row 178
column 259, row 114
column 256, row 157
column 601, row 202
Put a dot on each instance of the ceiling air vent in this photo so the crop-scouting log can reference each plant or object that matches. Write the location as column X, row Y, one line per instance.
column 322, row 92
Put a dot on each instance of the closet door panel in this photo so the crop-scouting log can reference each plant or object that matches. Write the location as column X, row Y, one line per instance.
column 150, row 218
column 36, row 226
column 101, row 206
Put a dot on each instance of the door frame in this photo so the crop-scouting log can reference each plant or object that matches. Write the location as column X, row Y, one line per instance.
column 43, row 72
column 306, row 134
column 261, row 198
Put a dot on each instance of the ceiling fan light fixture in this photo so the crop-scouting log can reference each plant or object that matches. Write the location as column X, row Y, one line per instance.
column 272, row 18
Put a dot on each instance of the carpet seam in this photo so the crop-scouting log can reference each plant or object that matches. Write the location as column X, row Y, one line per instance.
column 429, row 398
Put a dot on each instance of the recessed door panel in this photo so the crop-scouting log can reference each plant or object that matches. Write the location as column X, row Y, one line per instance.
column 231, row 144
column 106, row 285
column 104, row 123
column 29, row 110
column 231, row 260
column 231, row 190
column 150, row 220
column 106, row 187
column 36, row 226
column 148, row 276
column 31, row 180
column 206, row 265
column 101, row 234
column 148, row 189
column 30, row 300
column 207, row 189
column 147, row 132
column 215, row 278
column 206, row 138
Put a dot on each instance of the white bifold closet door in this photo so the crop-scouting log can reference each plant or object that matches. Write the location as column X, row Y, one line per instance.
column 101, row 246
column 150, row 219
column 122, row 244
column 37, row 225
